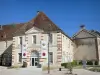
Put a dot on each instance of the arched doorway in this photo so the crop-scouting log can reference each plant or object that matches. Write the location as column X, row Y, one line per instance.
column 34, row 58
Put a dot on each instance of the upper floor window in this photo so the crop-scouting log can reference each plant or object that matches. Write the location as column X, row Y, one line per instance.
column 34, row 39
column 50, row 38
column 20, row 40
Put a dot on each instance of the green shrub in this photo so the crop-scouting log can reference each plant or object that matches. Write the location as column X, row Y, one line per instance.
column 64, row 65
column 89, row 63
column 97, row 69
column 80, row 63
column 96, row 62
column 74, row 63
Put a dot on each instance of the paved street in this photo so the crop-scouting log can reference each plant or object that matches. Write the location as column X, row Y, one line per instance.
column 76, row 71
column 38, row 71
column 21, row 71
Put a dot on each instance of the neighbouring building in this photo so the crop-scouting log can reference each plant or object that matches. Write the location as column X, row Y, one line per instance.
column 87, row 45
column 26, row 40
column 6, row 36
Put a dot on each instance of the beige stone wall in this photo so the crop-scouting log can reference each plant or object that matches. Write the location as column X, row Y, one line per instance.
column 98, row 39
column 85, row 49
column 33, row 47
column 4, row 45
column 67, row 49
column 58, row 45
column 85, row 46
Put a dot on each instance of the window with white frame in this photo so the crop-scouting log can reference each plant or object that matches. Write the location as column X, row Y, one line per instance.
column 50, row 38
column 20, row 40
column 34, row 39
column 51, row 57
column 20, row 57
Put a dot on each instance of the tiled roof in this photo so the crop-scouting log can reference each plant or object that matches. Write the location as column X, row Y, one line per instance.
column 6, row 33
column 92, row 32
column 97, row 33
column 41, row 21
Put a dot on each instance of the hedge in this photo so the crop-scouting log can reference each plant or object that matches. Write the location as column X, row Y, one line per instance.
column 66, row 65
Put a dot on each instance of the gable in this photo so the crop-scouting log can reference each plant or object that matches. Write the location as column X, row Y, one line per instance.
column 83, row 34
column 33, row 30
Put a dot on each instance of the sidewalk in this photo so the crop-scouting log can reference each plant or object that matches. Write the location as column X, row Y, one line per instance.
column 75, row 71
column 21, row 71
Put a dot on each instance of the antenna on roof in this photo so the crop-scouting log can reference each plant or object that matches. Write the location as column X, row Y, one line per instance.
column 0, row 27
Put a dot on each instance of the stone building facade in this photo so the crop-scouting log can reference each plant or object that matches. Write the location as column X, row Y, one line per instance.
column 87, row 45
column 29, row 35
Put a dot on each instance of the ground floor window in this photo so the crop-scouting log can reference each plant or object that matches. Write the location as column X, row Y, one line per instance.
column 51, row 57
column 20, row 57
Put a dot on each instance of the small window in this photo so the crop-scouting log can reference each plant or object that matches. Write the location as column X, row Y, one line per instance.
column 34, row 39
column 51, row 57
column 20, row 40
column 50, row 38
column 20, row 57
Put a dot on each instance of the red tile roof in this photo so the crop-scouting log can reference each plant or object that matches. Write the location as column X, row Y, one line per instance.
column 7, row 31
column 41, row 21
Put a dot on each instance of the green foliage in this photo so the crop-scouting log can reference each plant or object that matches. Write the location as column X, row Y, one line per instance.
column 96, row 62
column 89, row 63
column 74, row 63
column 96, row 69
column 70, row 64
column 64, row 65
column 80, row 63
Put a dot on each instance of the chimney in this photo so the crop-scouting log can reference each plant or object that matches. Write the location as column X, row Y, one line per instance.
column 82, row 26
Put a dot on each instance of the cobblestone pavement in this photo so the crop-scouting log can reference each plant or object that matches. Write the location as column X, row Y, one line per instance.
column 21, row 71
column 75, row 71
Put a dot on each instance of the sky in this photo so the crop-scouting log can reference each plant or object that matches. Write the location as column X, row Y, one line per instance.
column 66, row 14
